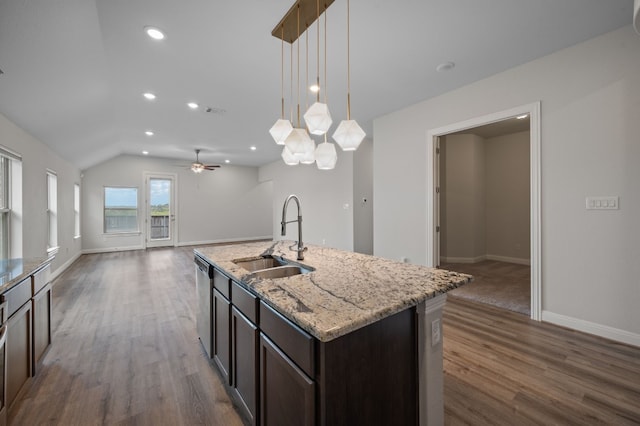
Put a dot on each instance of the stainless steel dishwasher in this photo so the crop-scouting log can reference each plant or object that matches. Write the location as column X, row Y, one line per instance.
column 204, row 288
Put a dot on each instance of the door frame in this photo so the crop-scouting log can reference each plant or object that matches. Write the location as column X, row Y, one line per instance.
column 433, row 135
column 173, row 242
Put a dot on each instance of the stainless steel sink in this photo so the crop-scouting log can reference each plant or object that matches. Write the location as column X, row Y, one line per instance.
column 269, row 267
column 280, row 272
column 259, row 263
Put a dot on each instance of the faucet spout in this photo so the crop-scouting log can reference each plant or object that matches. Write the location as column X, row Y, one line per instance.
column 301, row 248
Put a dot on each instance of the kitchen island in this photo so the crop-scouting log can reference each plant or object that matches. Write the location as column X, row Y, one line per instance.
column 355, row 340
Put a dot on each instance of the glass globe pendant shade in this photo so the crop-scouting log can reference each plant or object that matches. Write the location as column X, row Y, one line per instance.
column 288, row 157
column 349, row 135
column 326, row 156
column 309, row 154
column 318, row 118
column 296, row 141
column 281, row 130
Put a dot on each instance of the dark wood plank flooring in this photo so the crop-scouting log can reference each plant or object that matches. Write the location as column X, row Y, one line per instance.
column 126, row 352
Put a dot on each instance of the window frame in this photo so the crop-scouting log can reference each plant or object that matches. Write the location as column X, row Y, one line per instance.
column 5, row 207
column 132, row 231
column 76, row 210
column 52, row 212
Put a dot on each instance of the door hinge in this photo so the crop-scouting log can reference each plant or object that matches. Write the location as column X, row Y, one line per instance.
column 437, row 228
column 437, row 150
column 437, row 189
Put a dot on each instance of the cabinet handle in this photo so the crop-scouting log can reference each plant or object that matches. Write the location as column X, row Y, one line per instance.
column 3, row 335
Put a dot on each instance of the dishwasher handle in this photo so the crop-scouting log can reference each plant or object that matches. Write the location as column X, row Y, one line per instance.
column 3, row 335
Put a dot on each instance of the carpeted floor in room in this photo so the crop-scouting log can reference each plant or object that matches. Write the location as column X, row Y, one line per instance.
column 501, row 284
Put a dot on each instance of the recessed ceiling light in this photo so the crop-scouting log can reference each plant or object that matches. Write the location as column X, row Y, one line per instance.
column 314, row 88
column 145, row 152
column 227, row 161
column 445, row 66
column 522, row 117
column 148, row 133
column 192, row 105
column 149, row 96
column 253, row 148
column 154, row 32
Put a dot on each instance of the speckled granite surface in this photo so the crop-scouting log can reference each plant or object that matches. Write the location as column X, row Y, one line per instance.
column 12, row 271
column 346, row 291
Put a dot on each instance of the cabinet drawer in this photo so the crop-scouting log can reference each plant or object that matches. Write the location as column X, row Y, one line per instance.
column 295, row 342
column 17, row 296
column 222, row 283
column 41, row 278
column 245, row 302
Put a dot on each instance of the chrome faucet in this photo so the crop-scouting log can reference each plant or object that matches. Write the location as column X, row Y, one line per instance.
column 301, row 248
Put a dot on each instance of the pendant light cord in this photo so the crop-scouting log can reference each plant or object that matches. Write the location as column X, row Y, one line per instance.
column 318, row 51
column 298, row 58
column 325, row 57
column 348, row 66
column 282, row 71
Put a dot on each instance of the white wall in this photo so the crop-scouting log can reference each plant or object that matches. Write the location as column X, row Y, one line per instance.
column 363, row 189
column 323, row 195
column 36, row 159
column 228, row 204
column 590, row 97
column 507, row 203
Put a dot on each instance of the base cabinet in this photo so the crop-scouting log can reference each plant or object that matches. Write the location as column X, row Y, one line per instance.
column 41, row 325
column 221, row 335
column 245, row 365
column 287, row 394
column 18, row 349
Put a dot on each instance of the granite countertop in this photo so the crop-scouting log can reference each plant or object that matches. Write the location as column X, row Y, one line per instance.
column 344, row 292
column 12, row 271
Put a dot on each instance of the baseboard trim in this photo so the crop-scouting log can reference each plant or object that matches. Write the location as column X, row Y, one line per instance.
column 111, row 249
column 462, row 259
column 508, row 259
column 55, row 274
column 224, row 240
column 605, row 331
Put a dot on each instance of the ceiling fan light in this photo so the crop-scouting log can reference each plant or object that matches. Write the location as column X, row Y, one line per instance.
column 349, row 135
column 197, row 167
column 318, row 118
column 326, row 156
column 281, row 130
column 296, row 141
column 288, row 157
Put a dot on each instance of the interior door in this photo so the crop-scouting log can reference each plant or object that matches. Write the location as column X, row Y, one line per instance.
column 160, row 205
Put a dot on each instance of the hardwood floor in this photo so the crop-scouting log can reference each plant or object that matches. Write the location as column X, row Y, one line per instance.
column 125, row 351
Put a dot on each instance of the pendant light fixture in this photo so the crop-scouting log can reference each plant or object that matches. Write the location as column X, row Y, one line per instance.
column 317, row 117
column 282, row 128
column 326, row 155
column 348, row 134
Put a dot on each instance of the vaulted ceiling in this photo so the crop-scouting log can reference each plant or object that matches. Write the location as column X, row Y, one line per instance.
column 75, row 70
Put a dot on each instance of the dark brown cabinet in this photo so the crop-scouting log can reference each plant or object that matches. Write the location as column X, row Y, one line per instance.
column 287, row 394
column 42, row 305
column 19, row 343
column 222, row 334
column 245, row 364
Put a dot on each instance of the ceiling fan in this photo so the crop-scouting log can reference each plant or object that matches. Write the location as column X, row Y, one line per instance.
column 198, row 167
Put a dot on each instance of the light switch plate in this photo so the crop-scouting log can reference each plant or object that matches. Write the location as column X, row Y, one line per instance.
column 435, row 332
column 603, row 203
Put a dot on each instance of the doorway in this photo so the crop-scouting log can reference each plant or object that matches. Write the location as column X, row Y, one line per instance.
column 470, row 237
column 160, row 218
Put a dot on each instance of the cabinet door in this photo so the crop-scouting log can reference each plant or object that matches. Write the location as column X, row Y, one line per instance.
column 287, row 394
column 245, row 364
column 222, row 335
column 41, row 325
column 18, row 347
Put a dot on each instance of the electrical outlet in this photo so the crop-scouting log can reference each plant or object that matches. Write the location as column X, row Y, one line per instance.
column 435, row 332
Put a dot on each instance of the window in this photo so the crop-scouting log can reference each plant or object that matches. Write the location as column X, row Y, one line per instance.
column 5, row 211
column 52, row 210
column 120, row 210
column 10, row 204
column 76, row 210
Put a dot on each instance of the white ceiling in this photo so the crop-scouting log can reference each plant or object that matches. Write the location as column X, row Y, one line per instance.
column 75, row 70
